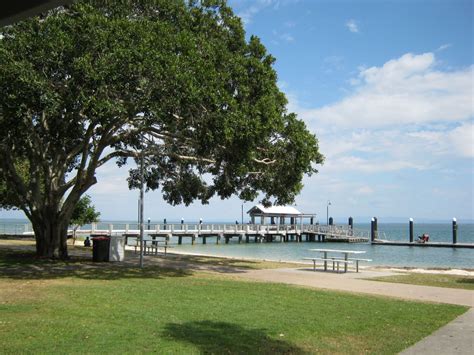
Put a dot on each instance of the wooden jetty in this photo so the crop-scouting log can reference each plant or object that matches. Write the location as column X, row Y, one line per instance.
column 224, row 233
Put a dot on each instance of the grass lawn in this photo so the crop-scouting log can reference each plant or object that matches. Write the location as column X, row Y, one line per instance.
column 439, row 280
column 79, row 307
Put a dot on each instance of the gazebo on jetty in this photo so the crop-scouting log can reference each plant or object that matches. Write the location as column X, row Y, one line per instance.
column 278, row 215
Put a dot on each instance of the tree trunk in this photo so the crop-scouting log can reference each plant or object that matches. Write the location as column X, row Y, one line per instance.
column 63, row 254
column 51, row 220
column 50, row 234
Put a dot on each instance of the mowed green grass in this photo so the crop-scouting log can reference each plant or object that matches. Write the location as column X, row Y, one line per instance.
column 438, row 280
column 121, row 310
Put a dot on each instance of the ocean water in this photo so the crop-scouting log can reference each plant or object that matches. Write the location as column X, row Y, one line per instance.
column 399, row 256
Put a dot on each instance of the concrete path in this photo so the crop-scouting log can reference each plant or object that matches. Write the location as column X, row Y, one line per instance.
column 352, row 282
column 456, row 337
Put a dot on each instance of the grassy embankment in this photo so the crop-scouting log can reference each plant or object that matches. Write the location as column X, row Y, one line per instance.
column 79, row 306
column 438, row 280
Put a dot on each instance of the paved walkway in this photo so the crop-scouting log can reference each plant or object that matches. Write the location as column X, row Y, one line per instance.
column 352, row 282
column 454, row 338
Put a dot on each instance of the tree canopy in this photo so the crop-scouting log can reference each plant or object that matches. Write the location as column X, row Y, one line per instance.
column 176, row 82
column 8, row 197
column 84, row 212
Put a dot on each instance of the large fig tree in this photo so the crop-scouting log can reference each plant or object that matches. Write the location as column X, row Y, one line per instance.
column 174, row 81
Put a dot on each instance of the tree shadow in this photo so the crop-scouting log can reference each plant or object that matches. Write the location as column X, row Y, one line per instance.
column 20, row 262
column 216, row 264
column 466, row 280
column 25, row 266
column 227, row 338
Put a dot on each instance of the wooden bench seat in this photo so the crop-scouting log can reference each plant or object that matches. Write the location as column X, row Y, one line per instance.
column 335, row 261
column 357, row 262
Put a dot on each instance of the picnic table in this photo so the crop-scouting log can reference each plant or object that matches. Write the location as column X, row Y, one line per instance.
column 153, row 244
column 130, row 235
column 344, row 253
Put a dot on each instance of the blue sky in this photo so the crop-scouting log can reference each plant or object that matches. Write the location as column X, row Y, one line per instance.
column 387, row 87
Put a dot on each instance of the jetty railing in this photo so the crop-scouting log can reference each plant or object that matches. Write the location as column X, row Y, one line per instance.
column 203, row 229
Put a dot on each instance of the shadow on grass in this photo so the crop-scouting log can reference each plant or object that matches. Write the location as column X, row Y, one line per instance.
column 25, row 266
column 227, row 338
column 217, row 264
column 466, row 280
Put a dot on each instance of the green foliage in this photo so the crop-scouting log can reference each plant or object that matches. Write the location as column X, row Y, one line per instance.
column 85, row 212
column 100, row 80
column 8, row 198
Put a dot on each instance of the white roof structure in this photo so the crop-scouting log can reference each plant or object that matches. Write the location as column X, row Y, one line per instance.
column 260, row 210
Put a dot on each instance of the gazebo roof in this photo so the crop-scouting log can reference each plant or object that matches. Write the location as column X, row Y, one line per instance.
column 261, row 210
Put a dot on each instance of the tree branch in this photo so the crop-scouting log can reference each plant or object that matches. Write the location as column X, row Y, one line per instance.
column 191, row 158
column 265, row 161
column 116, row 154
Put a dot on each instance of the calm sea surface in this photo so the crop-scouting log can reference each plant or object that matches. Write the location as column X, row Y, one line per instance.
column 381, row 255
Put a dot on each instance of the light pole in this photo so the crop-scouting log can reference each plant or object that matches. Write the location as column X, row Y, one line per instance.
column 327, row 212
column 142, row 178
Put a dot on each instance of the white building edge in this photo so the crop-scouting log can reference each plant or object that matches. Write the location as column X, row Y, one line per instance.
column 278, row 214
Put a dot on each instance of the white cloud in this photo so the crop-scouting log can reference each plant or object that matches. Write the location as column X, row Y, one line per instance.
column 462, row 139
column 458, row 141
column 395, row 149
column 443, row 47
column 407, row 90
column 247, row 9
column 364, row 190
column 111, row 179
column 249, row 12
column 333, row 63
column 287, row 37
column 352, row 26
column 372, row 151
column 350, row 163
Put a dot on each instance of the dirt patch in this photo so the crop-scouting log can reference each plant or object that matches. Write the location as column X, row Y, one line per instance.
column 15, row 291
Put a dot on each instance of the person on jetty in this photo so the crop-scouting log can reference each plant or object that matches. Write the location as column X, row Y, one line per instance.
column 87, row 242
column 424, row 238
